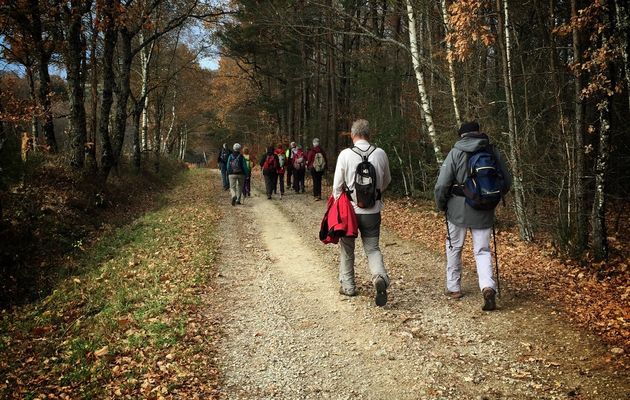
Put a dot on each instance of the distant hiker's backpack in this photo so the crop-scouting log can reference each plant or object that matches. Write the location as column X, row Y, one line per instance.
column 270, row 164
column 223, row 155
column 365, row 180
column 236, row 167
column 281, row 160
column 484, row 184
column 319, row 163
column 298, row 161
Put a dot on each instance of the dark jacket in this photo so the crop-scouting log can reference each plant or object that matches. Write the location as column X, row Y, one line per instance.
column 453, row 171
column 224, row 153
column 241, row 161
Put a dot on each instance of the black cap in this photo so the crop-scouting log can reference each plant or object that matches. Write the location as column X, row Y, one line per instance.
column 472, row 126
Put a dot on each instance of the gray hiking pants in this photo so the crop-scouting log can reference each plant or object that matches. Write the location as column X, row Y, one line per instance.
column 370, row 229
column 481, row 251
column 236, row 186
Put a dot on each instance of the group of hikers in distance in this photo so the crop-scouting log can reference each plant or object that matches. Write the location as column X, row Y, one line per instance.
column 236, row 169
column 471, row 182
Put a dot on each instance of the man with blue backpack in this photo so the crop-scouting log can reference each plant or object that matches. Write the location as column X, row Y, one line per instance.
column 472, row 181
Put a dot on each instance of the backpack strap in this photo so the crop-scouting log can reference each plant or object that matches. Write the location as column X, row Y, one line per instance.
column 361, row 153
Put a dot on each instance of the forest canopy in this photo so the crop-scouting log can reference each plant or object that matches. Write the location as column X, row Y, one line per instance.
column 105, row 82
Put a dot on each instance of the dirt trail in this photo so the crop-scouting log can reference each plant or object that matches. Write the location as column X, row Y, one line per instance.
column 289, row 334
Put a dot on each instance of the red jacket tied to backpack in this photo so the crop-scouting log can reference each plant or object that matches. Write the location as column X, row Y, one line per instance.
column 339, row 220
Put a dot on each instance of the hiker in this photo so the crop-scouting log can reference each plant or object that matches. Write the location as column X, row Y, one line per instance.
column 236, row 173
column 365, row 189
column 299, row 169
column 289, row 154
column 269, row 165
column 450, row 197
column 222, row 160
column 249, row 165
column 316, row 163
column 282, row 164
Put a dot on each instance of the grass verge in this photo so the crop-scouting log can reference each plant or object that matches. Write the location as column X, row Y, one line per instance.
column 132, row 320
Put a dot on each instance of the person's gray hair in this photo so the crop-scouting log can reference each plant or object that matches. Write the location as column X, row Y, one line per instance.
column 360, row 128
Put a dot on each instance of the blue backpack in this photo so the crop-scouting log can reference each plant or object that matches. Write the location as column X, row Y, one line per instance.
column 484, row 185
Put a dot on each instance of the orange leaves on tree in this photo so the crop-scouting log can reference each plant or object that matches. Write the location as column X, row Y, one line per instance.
column 469, row 27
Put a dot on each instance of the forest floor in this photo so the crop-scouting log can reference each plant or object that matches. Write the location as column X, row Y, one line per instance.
column 200, row 299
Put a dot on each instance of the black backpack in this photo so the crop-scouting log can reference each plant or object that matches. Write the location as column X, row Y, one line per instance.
column 365, row 180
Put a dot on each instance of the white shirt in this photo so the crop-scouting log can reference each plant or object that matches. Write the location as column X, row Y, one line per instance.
column 345, row 170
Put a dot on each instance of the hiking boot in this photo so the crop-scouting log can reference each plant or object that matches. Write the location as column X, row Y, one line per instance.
column 349, row 293
column 489, row 299
column 454, row 295
column 381, row 291
column 234, row 200
column 268, row 197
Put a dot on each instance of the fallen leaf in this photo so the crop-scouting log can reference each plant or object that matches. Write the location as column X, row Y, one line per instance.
column 102, row 351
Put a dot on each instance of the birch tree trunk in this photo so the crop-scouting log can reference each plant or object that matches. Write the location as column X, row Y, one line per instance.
column 168, row 146
column 524, row 225
column 600, row 238
column 451, row 66
column 424, row 99
column 145, row 59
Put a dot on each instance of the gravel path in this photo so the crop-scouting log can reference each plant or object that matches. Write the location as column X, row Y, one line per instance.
column 288, row 334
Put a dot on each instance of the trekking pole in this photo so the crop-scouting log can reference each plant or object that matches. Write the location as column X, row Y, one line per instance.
column 448, row 231
column 496, row 260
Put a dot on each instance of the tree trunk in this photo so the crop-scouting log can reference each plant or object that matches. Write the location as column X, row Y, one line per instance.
column 424, row 99
column 600, row 238
column 91, row 145
column 33, row 97
column 137, row 114
column 623, row 25
column 524, row 226
column 145, row 59
column 580, row 195
column 43, row 59
column 451, row 66
column 168, row 145
column 122, row 93
column 74, row 58
column 157, row 137
column 109, row 43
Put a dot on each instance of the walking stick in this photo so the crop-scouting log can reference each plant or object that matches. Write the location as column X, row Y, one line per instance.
column 496, row 260
column 448, row 231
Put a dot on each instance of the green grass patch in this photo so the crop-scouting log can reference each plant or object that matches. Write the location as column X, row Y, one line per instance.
column 124, row 307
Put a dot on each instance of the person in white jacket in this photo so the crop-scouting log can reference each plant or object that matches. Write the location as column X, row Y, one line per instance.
column 369, row 219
